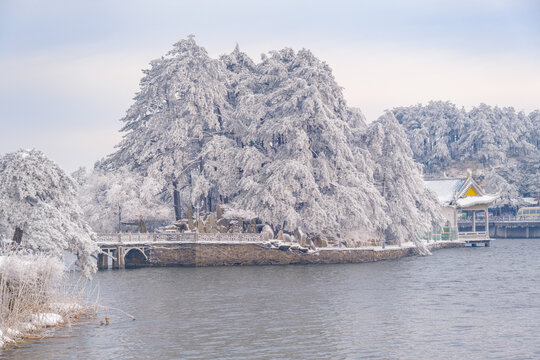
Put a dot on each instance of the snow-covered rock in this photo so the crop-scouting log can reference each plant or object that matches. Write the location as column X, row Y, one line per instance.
column 288, row 238
column 267, row 233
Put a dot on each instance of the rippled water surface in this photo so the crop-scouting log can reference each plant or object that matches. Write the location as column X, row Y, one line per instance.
column 473, row 303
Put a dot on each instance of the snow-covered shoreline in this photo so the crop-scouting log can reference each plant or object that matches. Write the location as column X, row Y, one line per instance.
column 32, row 296
column 253, row 254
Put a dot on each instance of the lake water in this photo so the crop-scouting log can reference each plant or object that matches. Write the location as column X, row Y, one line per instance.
column 472, row 303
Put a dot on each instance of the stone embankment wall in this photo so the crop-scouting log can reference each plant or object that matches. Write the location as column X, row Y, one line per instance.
column 260, row 254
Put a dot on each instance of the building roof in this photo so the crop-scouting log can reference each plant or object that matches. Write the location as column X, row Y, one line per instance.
column 476, row 200
column 462, row 193
column 445, row 189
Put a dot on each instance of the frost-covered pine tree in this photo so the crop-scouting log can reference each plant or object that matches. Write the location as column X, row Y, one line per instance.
column 181, row 105
column 529, row 172
column 529, row 163
column 80, row 175
column 38, row 206
column 434, row 132
column 301, row 170
column 534, row 129
column 411, row 207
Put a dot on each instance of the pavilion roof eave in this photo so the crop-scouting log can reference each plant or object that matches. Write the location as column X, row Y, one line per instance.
column 471, row 201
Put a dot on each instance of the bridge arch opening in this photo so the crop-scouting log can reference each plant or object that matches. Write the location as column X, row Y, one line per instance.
column 135, row 258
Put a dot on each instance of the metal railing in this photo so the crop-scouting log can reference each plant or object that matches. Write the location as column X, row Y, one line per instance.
column 230, row 238
column 514, row 219
column 473, row 235
column 447, row 233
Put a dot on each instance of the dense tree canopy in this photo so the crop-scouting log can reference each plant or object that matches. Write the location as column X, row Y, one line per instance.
column 412, row 208
column 491, row 139
column 275, row 138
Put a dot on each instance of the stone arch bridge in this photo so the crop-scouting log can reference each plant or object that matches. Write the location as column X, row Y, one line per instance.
column 123, row 256
column 129, row 250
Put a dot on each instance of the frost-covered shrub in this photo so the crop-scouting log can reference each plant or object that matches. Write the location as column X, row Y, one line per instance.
column 31, row 269
column 32, row 294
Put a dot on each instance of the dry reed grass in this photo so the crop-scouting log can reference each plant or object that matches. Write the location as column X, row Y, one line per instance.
column 35, row 293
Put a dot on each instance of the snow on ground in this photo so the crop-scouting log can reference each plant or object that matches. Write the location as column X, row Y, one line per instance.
column 40, row 320
column 8, row 336
column 64, row 308
column 47, row 319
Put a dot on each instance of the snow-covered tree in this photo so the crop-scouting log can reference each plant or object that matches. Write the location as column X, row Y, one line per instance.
column 275, row 138
column 534, row 129
column 508, row 193
column 433, row 131
column 80, row 175
column 303, row 172
column 38, row 206
column 180, row 107
column 412, row 208
column 108, row 197
column 529, row 172
column 448, row 139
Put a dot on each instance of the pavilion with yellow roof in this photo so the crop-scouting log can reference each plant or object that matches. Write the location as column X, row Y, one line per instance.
column 458, row 196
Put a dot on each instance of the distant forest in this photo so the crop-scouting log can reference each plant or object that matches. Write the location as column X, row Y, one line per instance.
column 501, row 145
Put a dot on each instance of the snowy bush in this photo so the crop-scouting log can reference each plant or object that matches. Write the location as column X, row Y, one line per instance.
column 30, row 291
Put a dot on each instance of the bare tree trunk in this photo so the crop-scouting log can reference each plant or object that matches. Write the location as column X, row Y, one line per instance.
column 119, row 218
column 17, row 236
column 176, row 198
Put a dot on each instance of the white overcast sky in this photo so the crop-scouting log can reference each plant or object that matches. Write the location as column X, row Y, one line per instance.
column 69, row 69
